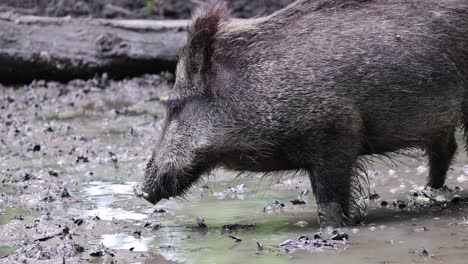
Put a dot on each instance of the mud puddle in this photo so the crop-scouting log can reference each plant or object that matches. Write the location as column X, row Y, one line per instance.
column 71, row 154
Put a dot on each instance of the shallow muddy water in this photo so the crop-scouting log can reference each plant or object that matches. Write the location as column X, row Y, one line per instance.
column 71, row 154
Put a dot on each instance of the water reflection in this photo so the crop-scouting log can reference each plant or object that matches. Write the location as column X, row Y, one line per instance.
column 109, row 214
column 126, row 242
column 386, row 231
column 102, row 196
column 98, row 188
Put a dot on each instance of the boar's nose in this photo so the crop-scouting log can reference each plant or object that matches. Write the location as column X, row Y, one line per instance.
column 139, row 192
column 150, row 190
column 151, row 196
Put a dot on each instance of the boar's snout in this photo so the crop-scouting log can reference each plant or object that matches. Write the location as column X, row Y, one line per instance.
column 166, row 180
column 158, row 184
column 151, row 190
column 151, row 195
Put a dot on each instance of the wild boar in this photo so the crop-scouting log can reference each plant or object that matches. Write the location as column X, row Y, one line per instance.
column 314, row 87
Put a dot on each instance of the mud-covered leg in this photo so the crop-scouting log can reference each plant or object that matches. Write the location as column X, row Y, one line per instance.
column 331, row 184
column 440, row 152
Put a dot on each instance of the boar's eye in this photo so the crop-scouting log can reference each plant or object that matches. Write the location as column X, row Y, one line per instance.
column 173, row 106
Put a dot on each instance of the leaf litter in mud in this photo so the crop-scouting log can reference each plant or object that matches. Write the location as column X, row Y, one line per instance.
column 428, row 198
column 78, row 221
column 435, row 199
column 275, row 207
column 225, row 229
column 424, row 253
column 236, row 239
column 374, row 196
column 100, row 250
column 315, row 243
column 152, row 226
column 301, row 198
column 82, row 159
column 53, row 173
column 298, row 202
column 201, row 226
column 259, row 245
column 337, row 236
column 237, row 192
column 236, row 227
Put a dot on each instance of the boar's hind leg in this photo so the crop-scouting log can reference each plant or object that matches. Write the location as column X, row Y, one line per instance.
column 440, row 151
column 331, row 184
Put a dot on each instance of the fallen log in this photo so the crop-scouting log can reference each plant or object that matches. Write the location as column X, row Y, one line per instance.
column 62, row 49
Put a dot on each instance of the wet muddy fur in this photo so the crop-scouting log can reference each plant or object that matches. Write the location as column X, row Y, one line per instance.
column 315, row 87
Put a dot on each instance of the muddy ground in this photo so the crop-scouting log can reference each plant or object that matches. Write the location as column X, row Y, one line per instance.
column 71, row 153
column 154, row 9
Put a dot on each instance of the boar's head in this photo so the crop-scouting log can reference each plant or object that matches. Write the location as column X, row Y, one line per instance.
column 211, row 120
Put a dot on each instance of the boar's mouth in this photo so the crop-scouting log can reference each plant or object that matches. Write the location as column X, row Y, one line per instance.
column 169, row 182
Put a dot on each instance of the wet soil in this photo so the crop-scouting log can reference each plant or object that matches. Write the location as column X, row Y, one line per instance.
column 71, row 153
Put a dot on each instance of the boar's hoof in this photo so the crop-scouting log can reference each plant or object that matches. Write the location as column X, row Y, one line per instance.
column 332, row 215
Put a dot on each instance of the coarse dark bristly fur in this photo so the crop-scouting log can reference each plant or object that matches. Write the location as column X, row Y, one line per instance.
column 315, row 87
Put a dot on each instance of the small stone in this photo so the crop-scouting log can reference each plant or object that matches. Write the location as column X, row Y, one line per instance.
column 36, row 148
column 274, row 207
column 374, row 196
column 113, row 157
column 53, row 173
column 298, row 202
column 78, row 221
column 83, row 159
column 136, row 234
column 340, row 237
column 64, row 193
column 259, row 245
column 302, row 224
column 200, row 221
column 24, row 176
column 399, row 204
column 153, row 227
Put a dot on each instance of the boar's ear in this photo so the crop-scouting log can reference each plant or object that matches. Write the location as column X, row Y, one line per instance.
column 206, row 23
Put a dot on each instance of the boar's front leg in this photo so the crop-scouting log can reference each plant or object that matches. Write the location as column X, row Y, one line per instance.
column 441, row 151
column 331, row 181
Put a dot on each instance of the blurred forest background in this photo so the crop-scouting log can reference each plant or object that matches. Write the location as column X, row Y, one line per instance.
column 42, row 40
column 133, row 9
